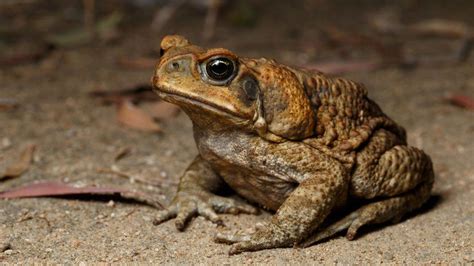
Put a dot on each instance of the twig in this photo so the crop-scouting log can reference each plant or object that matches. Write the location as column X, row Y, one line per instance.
column 128, row 176
column 122, row 153
column 211, row 18
column 89, row 16
column 163, row 15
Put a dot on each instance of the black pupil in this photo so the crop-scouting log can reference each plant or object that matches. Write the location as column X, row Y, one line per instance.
column 220, row 68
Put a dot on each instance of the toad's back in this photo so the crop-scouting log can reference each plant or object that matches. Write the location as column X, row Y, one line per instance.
column 346, row 116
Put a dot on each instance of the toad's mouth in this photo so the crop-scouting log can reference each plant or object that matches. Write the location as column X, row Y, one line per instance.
column 178, row 99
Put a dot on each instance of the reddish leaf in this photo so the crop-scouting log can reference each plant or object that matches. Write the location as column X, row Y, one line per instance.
column 162, row 110
column 131, row 116
column 20, row 166
column 56, row 188
column 462, row 101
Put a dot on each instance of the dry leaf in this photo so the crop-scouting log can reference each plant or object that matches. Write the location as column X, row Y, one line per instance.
column 131, row 116
column 57, row 188
column 162, row 110
column 20, row 166
column 462, row 101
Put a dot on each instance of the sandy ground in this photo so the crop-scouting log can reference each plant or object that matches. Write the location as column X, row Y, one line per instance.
column 75, row 135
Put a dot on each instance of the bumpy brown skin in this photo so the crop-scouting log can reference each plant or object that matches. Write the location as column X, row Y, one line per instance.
column 299, row 143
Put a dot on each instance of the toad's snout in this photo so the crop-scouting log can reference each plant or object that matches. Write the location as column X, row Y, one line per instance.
column 171, row 67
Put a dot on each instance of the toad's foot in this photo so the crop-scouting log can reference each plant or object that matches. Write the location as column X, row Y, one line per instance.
column 187, row 205
column 228, row 238
column 263, row 237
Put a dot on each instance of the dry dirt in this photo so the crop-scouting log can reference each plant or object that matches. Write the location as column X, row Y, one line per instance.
column 75, row 135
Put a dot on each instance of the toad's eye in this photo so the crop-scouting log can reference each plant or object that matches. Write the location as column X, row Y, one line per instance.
column 220, row 69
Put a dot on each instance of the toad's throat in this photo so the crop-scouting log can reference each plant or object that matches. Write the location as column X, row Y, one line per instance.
column 180, row 99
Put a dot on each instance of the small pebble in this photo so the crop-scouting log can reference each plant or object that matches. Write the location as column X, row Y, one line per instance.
column 111, row 203
column 6, row 142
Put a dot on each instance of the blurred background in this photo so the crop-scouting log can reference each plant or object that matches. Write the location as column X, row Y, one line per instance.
column 76, row 107
column 405, row 32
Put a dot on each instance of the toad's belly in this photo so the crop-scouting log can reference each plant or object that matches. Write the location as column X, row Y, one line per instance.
column 238, row 158
column 267, row 191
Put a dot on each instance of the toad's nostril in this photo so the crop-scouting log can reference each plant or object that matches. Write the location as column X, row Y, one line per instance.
column 173, row 67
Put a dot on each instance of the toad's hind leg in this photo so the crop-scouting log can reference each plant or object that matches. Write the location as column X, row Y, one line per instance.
column 399, row 180
column 378, row 212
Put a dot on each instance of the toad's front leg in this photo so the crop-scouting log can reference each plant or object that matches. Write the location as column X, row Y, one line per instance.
column 301, row 213
column 195, row 197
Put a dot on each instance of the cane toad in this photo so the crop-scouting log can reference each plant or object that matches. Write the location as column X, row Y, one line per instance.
column 298, row 143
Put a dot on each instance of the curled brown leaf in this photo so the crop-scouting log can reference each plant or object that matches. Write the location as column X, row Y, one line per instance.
column 132, row 116
column 20, row 166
